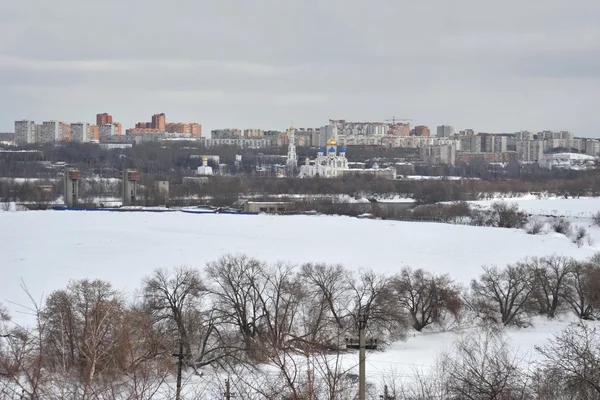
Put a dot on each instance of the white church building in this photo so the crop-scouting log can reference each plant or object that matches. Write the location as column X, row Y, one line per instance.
column 328, row 164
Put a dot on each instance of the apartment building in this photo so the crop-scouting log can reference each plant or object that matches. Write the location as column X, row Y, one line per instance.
column 80, row 132
column 25, row 132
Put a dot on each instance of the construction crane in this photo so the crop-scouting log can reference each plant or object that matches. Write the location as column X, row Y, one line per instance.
column 394, row 119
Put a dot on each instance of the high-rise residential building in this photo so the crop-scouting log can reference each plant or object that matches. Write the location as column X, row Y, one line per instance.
column 25, row 132
column 65, row 131
column 445, row 131
column 488, row 142
column 51, row 132
column 102, row 119
column 226, row 134
column 159, row 122
column 119, row 128
column 530, row 150
column 80, row 132
column 421, row 130
column 592, row 147
column 94, row 132
column 501, row 144
column 106, row 130
column 253, row 133
column 476, row 144
column 195, row 130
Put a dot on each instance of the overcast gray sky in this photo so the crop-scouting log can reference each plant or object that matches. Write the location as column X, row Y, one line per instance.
column 496, row 66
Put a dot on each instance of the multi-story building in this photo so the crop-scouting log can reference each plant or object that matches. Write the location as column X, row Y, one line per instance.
column 195, row 130
column 524, row 135
column 445, row 131
column 104, row 118
column 422, row 130
column 50, row 132
column 253, row 143
column 80, row 132
column 226, row 134
column 592, row 147
column 140, row 131
column 488, row 142
column 25, row 132
column 250, row 133
column 158, row 122
column 54, row 131
column 439, row 154
column 107, row 130
column 467, row 132
column 94, row 132
column 65, row 131
column 529, row 150
column 468, row 158
column 399, row 129
column 501, row 144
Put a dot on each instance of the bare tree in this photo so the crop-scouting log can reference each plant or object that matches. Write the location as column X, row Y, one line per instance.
column 483, row 366
column 235, row 290
column 507, row 292
column 329, row 283
column 175, row 299
column 83, row 331
column 573, row 359
column 372, row 295
column 426, row 298
column 551, row 281
column 583, row 292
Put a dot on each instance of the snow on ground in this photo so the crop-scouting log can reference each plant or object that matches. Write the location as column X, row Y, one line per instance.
column 48, row 248
column 583, row 207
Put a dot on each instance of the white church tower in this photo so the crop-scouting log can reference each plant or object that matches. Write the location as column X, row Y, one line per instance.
column 292, row 157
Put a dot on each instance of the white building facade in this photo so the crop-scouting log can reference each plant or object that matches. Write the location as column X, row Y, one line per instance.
column 328, row 164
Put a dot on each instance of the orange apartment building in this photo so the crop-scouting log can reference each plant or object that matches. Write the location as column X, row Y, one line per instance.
column 159, row 125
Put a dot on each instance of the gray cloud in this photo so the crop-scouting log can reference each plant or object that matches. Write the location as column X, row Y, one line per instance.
column 492, row 66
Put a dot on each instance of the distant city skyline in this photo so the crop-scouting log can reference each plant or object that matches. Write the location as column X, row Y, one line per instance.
column 490, row 66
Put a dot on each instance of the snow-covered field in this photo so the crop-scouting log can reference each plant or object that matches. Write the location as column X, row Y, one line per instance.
column 583, row 207
column 46, row 249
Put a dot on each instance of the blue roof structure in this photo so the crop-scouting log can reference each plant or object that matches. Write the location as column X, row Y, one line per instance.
column 342, row 149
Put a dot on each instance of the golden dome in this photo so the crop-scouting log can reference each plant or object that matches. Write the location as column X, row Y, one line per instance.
column 292, row 128
column 331, row 142
column 307, row 159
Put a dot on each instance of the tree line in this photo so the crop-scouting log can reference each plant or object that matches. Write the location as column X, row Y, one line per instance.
column 280, row 331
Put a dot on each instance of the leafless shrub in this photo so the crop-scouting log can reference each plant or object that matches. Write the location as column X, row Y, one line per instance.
column 507, row 215
column 561, row 225
column 579, row 236
column 596, row 218
column 535, row 226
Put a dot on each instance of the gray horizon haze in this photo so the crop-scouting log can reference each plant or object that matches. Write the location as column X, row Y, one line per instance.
column 499, row 66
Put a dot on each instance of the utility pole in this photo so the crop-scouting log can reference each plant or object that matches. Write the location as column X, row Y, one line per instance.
column 386, row 396
column 179, row 367
column 362, row 358
column 228, row 394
